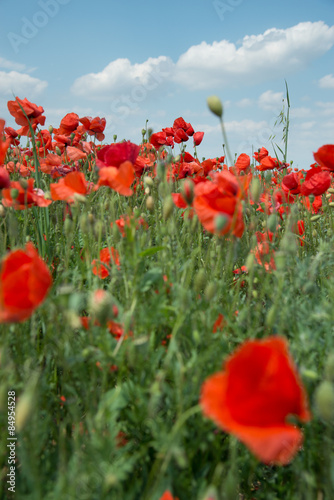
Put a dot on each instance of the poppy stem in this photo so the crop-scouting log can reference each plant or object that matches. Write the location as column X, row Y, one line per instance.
column 229, row 156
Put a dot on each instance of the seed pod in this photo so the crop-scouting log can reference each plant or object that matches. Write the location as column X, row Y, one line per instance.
column 168, row 207
column 215, row 105
column 324, row 400
column 150, row 203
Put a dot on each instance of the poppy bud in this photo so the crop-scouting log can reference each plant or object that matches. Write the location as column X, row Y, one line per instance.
column 2, row 211
column 168, row 207
column 23, row 184
column 220, row 222
column 329, row 367
column 331, row 204
column 255, row 189
column 58, row 151
column 14, row 193
column 200, row 280
column 272, row 223
column 38, row 144
column 68, row 226
column 215, row 105
column 50, row 129
column 187, row 191
column 315, row 218
column 271, row 316
column 250, row 262
column 280, row 260
column 148, row 181
column 210, row 291
column 150, row 203
column 324, row 400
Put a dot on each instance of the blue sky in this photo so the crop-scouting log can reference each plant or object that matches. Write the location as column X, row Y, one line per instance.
column 131, row 61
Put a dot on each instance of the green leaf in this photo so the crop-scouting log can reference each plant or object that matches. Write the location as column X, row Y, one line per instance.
column 151, row 251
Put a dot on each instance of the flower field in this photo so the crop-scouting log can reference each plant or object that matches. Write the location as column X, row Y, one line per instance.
column 166, row 321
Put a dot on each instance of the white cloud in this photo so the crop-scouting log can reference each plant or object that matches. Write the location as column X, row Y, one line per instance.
column 4, row 63
column 122, row 77
column 20, row 84
column 325, row 108
column 244, row 103
column 271, row 55
column 300, row 112
column 271, row 101
column 326, row 82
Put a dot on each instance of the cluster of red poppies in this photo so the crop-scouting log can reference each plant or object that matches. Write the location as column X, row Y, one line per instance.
column 250, row 399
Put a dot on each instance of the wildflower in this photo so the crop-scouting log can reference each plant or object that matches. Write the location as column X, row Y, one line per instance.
column 325, row 157
column 24, row 283
column 26, row 112
column 252, row 397
column 220, row 198
column 106, row 256
column 4, row 144
column 25, row 197
column 316, row 182
column 67, row 187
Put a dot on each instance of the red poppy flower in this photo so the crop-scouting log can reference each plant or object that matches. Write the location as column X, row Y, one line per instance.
column 4, row 144
column 198, row 138
column 168, row 496
column 68, row 124
column 316, row 182
column 25, row 198
column 242, row 164
column 94, row 126
column 4, row 178
column 259, row 155
column 119, row 179
column 106, row 256
column 221, row 197
column 325, row 157
column 268, row 163
column 24, row 283
column 32, row 113
column 70, row 185
column 158, row 139
column 291, row 182
column 219, row 323
column 116, row 154
column 252, row 397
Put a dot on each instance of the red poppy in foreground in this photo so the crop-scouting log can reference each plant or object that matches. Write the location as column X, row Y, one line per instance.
column 316, row 182
column 24, row 283
column 252, row 397
column 325, row 157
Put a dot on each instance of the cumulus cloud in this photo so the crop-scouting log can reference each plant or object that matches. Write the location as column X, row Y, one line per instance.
column 271, row 101
column 326, row 82
column 20, row 84
column 267, row 56
column 244, row 103
column 273, row 54
column 121, row 76
column 4, row 63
